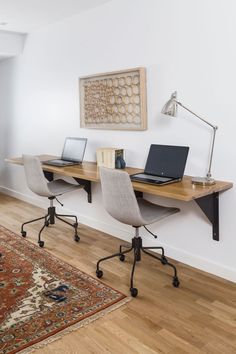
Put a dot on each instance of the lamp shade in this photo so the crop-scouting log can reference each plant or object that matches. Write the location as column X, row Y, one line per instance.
column 171, row 106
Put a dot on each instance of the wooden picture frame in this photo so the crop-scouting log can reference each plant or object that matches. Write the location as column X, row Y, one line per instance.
column 114, row 100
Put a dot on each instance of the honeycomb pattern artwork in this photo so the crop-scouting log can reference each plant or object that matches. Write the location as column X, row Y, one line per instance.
column 114, row 100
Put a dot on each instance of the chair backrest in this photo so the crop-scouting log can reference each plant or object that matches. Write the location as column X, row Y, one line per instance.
column 34, row 176
column 119, row 198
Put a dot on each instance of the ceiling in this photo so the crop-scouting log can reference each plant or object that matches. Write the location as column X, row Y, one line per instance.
column 25, row 16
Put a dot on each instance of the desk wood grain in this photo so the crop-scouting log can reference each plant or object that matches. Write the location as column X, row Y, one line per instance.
column 89, row 171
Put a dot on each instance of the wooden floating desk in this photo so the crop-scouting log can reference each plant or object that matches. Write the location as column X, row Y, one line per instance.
column 206, row 197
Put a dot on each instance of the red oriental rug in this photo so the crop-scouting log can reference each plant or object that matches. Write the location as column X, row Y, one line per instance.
column 41, row 297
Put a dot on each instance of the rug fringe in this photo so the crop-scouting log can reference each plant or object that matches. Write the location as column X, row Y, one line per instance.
column 74, row 327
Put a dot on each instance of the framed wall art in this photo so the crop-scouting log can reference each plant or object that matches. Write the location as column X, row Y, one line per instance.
column 115, row 100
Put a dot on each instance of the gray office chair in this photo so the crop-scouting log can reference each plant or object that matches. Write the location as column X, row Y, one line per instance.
column 121, row 203
column 38, row 184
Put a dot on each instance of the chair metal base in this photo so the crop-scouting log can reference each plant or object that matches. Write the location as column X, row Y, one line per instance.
column 49, row 219
column 137, row 247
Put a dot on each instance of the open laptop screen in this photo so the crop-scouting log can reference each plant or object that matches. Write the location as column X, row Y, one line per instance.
column 74, row 149
column 166, row 160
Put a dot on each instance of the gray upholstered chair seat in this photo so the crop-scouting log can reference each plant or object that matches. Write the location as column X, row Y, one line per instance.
column 59, row 186
column 120, row 201
column 151, row 212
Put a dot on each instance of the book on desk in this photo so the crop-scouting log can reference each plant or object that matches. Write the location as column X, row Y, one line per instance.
column 107, row 157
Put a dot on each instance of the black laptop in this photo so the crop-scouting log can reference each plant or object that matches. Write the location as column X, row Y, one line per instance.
column 72, row 154
column 165, row 164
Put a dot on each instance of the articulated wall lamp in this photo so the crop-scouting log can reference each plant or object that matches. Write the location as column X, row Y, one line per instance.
column 170, row 109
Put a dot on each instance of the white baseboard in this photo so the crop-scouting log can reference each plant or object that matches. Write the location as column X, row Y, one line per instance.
column 175, row 253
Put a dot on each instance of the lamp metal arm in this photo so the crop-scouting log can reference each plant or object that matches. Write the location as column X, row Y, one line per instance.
column 213, row 139
column 204, row 120
column 211, row 154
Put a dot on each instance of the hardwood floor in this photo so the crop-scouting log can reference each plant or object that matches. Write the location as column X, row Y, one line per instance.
column 199, row 317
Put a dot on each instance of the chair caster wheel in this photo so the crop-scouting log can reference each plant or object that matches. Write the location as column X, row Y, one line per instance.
column 134, row 292
column 176, row 282
column 99, row 273
column 47, row 223
column 23, row 233
column 122, row 257
column 41, row 244
column 76, row 238
column 163, row 260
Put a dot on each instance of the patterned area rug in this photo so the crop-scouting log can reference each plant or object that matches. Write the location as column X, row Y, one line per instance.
column 41, row 297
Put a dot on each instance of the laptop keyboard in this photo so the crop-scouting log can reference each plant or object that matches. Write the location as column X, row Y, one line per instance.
column 151, row 178
column 59, row 163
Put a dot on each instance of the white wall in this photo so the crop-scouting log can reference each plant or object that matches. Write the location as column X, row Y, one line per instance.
column 11, row 44
column 186, row 46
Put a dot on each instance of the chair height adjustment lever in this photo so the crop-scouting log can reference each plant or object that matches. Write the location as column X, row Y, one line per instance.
column 150, row 232
column 59, row 201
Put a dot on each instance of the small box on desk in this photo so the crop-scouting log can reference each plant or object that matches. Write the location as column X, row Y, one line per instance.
column 107, row 157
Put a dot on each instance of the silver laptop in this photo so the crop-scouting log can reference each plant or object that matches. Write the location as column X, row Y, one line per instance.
column 72, row 154
column 165, row 164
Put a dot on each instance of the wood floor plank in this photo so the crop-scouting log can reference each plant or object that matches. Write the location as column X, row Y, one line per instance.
column 197, row 318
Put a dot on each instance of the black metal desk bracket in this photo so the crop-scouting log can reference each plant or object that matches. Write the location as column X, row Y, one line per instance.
column 86, row 184
column 210, row 207
column 48, row 175
column 87, row 187
column 138, row 194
